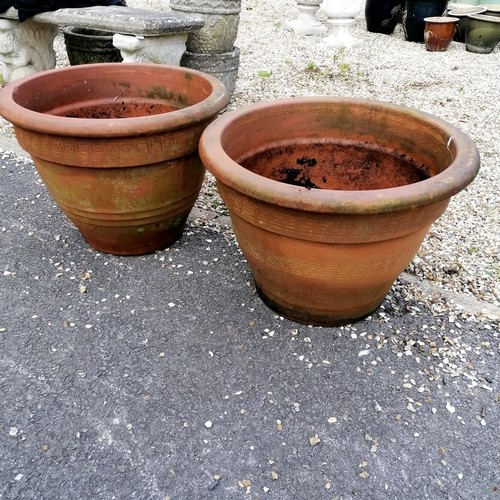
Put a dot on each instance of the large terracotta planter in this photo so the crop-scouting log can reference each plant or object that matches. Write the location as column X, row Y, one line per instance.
column 116, row 145
column 310, row 187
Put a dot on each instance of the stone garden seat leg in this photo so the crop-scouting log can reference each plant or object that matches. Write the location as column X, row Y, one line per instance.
column 26, row 48
column 152, row 49
column 141, row 35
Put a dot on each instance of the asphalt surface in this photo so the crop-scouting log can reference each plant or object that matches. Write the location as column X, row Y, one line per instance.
column 165, row 376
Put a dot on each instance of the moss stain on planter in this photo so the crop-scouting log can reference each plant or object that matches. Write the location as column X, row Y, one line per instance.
column 163, row 93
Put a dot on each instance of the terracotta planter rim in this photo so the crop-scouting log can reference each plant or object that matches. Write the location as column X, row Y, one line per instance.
column 217, row 97
column 445, row 184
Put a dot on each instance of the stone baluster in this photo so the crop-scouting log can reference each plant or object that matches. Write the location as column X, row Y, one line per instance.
column 306, row 22
column 341, row 16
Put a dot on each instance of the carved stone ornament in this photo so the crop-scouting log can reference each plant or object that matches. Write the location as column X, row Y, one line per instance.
column 26, row 48
column 306, row 22
column 152, row 49
column 221, row 24
column 341, row 16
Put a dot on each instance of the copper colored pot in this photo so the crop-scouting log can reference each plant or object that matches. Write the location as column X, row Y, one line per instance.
column 438, row 32
column 116, row 146
column 321, row 250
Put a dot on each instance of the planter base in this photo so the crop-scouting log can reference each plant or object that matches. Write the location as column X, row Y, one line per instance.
column 317, row 318
column 126, row 211
column 127, row 241
column 306, row 23
column 328, row 279
column 340, row 34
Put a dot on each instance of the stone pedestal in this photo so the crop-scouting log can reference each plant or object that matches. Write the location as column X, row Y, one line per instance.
column 212, row 49
column 341, row 16
column 306, row 22
column 221, row 17
column 222, row 66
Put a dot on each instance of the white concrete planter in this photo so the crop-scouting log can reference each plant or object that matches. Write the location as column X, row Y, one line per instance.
column 306, row 22
column 341, row 16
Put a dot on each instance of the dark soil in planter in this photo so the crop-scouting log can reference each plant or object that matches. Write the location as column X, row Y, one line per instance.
column 118, row 109
column 336, row 165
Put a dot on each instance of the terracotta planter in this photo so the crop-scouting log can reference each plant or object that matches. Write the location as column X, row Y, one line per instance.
column 310, row 186
column 438, row 32
column 116, row 145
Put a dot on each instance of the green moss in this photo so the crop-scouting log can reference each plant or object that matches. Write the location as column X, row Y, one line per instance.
column 167, row 95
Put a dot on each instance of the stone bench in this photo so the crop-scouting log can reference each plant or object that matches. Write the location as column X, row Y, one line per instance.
column 141, row 36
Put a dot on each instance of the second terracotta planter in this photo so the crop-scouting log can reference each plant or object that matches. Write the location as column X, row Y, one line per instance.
column 331, row 198
column 116, row 145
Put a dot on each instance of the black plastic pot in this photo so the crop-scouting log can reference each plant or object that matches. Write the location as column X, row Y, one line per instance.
column 414, row 13
column 87, row 46
column 382, row 15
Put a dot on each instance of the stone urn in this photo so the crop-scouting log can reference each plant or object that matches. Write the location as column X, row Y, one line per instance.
column 116, row 146
column 341, row 17
column 306, row 22
column 211, row 49
column 330, row 198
